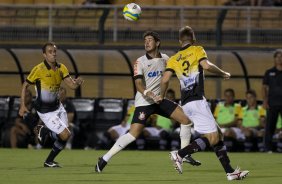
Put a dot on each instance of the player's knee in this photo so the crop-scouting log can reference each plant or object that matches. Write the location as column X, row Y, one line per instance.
column 136, row 134
column 65, row 135
column 184, row 120
column 213, row 139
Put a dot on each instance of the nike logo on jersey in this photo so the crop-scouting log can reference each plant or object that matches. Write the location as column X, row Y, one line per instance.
column 149, row 65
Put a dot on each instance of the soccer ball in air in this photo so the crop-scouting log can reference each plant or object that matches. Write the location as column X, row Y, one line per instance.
column 132, row 12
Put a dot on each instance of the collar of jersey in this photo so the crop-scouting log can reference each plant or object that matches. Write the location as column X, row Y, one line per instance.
column 49, row 67
column 248, row 108
column 149, row 57
column 185, row 47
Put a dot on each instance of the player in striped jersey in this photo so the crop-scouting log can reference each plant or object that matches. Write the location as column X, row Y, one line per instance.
column 189, row 64
column 148, row 71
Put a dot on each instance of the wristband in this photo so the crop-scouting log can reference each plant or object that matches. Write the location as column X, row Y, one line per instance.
column 145, row 92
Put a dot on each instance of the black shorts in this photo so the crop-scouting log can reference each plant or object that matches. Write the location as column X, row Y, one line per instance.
column 142, row 113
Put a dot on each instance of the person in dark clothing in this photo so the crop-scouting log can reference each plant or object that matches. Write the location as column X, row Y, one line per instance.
column 272, row 97
column 21, row 134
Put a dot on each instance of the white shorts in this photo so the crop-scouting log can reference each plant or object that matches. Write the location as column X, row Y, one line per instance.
column 200, row 114
column 120, row 130
column 56, row 121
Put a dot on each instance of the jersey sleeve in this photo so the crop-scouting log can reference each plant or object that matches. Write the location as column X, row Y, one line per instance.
column 215, row 113
column 138, row 70
column 33, row 75
column 262, row 112
column 201, row 54
column 240, row 113
column 170, row 65
column 237, row 109
column 64, row 71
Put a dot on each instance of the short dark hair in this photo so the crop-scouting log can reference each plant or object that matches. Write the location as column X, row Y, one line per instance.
column 251, row 92
column 276, row 52
column 187, row 33
column 230, row 90
column 155, row 35
column 47, row 44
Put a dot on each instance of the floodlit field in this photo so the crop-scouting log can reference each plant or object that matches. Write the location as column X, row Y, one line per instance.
column 132, row 167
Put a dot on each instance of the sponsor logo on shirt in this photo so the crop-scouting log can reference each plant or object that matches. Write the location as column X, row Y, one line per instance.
column 272, row 74
column 155, row 73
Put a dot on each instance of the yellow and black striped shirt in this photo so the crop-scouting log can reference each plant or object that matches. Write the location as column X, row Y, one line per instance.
column 47, row 83
column 186, row 64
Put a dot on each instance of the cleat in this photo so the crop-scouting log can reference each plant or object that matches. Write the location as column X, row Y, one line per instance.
column 188, row 159
column 100, row 165
column 37, row 132
column 177, row 161
column 237, row 174
column 52, row 164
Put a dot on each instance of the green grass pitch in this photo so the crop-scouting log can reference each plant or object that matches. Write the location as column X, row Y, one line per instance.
column 132, row 167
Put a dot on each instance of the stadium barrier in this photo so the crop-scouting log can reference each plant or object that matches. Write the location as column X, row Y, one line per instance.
column 108, row 71
column 99, row 24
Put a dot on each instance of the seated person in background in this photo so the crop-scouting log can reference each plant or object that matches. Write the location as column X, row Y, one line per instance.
column 21, row 134
column 114, row 132
column 71, row 113
column 251, row 121
column 226, row 114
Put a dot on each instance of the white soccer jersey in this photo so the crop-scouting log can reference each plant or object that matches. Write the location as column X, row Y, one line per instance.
column 150, row 70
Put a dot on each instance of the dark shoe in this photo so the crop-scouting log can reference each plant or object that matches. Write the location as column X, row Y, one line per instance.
column 188, row 159
column 100, row 165
column 52, row 164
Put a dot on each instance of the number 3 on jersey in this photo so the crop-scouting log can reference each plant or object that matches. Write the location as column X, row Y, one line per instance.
column 185, row 66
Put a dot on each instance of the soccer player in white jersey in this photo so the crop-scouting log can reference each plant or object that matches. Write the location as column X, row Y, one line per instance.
column 189, row 64
column 148, row 71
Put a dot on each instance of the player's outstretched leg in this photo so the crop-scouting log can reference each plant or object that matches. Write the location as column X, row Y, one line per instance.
column 121, row 143
column 221, row 153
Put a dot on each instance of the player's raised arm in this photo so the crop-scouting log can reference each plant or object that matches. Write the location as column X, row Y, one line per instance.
column 73, row 83
column 164, row 83
column 207, row 65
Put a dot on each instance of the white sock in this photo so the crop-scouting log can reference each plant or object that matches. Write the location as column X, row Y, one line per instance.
column 121, row 143
column 185, row 135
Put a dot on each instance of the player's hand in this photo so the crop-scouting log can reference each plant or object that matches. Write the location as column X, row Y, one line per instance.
column 79, row 81
column 23, row 110
column 226, row 75
column 158, row 99
column 151, row 95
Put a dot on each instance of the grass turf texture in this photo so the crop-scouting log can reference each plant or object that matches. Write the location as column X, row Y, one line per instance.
column 128, row 167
